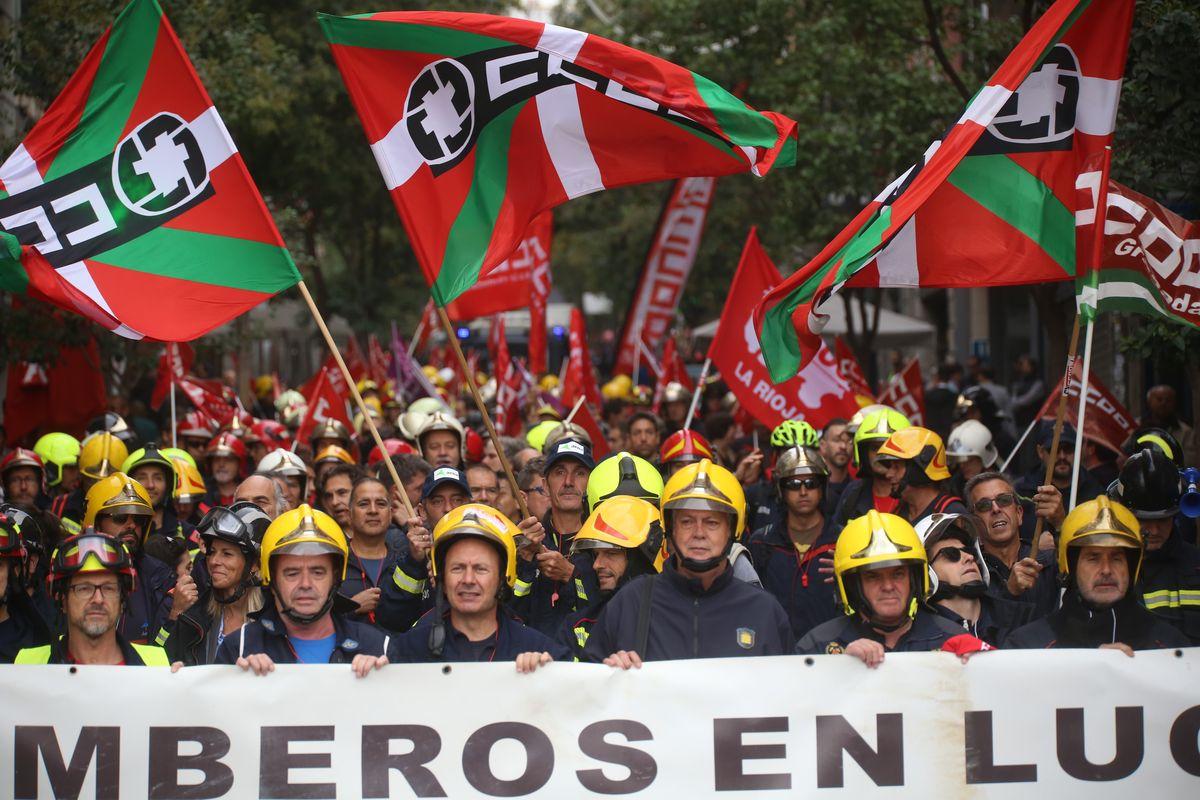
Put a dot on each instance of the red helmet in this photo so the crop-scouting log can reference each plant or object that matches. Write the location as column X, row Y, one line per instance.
column 272, row 434
column 89, row 551
column 21, row 458
column 194, row 425
column 685, row 447
column 394, row 447
column 473, row 446
column 226, row 444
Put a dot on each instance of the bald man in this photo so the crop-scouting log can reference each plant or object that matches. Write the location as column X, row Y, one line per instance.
column 264, row 492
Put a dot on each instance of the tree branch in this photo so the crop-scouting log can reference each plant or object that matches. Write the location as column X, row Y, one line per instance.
column 932, row 24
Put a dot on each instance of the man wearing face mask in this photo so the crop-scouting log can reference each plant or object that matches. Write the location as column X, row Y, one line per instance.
column 1149, row 486
column 696, row 608
column 1100, row 557
column 960, row 579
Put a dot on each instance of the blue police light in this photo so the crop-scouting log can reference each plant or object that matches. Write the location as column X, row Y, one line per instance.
column 463, row 333
column 559, row 330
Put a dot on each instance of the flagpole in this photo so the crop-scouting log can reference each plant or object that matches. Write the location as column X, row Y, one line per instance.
column 174, row 433
column 1058, row 424
column 487, row 418
column 358, row 401
column 637, row 352
column 687, row 423
column 1099, row 222
column 575, row 409
column 412, row 345
column 1028, row 430
column 1079, row 422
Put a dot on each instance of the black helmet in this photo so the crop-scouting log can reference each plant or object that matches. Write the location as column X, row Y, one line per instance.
column 1159, row 439
column 1148, row 485
column 978, row 398
column 32, row 532
column 241, row 524
column 115, row 424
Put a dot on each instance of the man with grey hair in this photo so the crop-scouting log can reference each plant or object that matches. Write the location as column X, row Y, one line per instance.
column 265, row 491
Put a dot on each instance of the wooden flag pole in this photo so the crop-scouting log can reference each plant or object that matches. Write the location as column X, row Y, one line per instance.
column 487, row 418
column 1058, row 425
column 358, row 401
column 574, row 410
column 687, row 423
column 174, row 427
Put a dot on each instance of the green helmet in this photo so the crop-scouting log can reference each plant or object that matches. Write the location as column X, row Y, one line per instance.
column 150, row 454
column 794, row 433
column 877, row 427
column 623, row 474
column 57, row 450
column 539, row 433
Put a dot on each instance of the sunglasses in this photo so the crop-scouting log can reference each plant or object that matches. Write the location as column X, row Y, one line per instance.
column 1005, row 500
column 954, row 554
column 121, row 519
column 794, row 484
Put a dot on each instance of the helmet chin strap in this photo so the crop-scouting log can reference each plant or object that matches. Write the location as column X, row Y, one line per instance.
column 708, row 564
column 306, row 619
column 970, row 590
column 244, row 585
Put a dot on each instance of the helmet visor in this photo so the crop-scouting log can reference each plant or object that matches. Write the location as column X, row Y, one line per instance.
column 106, row 551
column 221, row 522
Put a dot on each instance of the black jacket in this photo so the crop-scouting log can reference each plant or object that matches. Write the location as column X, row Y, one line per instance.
column 191, row 637
column 730, row 618
column 928, row 632
column 793, row 578
column 1170, row 584
column 147, row 607
column 1089, row 489
column 545, row 603
column 511, row 639
column 359, row 578
column 1044, row 594
column 25, row 626
column 267, row 634
column 405, row 594
column 1074, row 625
column 997, row 618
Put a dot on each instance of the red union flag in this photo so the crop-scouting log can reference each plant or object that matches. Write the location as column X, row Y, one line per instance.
column 479, row 123
column 849, row 369
column 580, row 380
column 1106, row 423
column 173, row 364
column 328, row 400
column 672, row 255
column 817, row 394
column 906, row 393
column 511, row 284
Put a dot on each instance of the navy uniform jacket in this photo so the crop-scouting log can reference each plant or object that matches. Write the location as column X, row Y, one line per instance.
column 1170, row 584
column 1074, row 625
column 730, row 618
column 793, row 578
column 997, row 618
column 544, row 602
column 359, row 577
column 267, row 634
column 1044, row 594
column 928, row 632
column 510, row 640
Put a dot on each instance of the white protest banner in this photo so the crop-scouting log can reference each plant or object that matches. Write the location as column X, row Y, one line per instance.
column 1094, row 724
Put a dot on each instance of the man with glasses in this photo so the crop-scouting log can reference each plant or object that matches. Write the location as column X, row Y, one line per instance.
column 91, row 576
column 787, row 550
column 961, row 587
column 484, row 484
column 1016, row 572
column 532, row 484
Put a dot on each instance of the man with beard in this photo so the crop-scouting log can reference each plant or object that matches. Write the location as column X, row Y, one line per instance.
column 156, row 473
column 91, row 577
column 1031, row 483
column 1100, row 558
column 302, row 561
column 960, row 579
column 643, row 432
column 622, row 539
column 118, row 506
column 1149, row 486
column 834, row 447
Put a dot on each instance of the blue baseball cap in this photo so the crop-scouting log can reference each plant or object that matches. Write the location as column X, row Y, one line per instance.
column 443, row 475
column 569, row 448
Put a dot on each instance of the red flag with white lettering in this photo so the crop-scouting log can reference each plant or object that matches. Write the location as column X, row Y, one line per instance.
column 906, row 393
column 586, row 420
column 328, row 400
column 665, row 272
column 848, row 368
column 817, row 394
column 510, row 284
column 1106, row 423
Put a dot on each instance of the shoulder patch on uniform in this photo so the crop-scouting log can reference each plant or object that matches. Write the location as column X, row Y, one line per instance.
column 745, row 638
column 350, row 644
column 834, row 649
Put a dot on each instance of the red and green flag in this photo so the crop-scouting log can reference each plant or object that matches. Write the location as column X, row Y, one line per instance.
column 994, row 202
column 128, row 202
column 479, row 123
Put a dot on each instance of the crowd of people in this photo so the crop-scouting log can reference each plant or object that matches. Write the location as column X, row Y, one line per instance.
column 245, row 545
